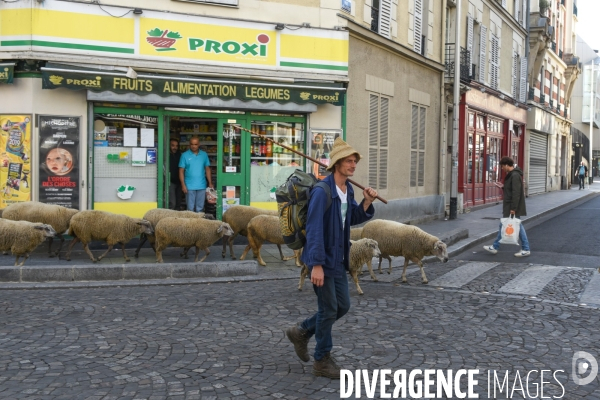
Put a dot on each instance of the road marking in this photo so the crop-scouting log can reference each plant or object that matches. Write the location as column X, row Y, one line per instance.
column 462, row 275
column 533, row 280
column 591, row 294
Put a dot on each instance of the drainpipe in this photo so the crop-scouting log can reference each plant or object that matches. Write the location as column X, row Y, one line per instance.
column 455, row 116
column 443, row 115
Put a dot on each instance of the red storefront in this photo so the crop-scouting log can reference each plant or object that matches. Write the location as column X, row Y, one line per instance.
column 490, row 128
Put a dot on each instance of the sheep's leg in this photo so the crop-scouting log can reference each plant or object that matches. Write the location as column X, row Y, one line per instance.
column 75, row 240
column 423, row 276
column 159, row 249
column 390, row 260
column 297, row 254
column 245, row 252
column 354, row 275
column 404, row 280
column 143, row 239
column 206, row 253
column 281, row 253
column 260, row 260
column 110, row 247
column 380, row 260
column 230, row 241
column 87, row 250
column 124, row 253
column 370, row 267
column 303, row 275
column 25, row 257
column 50, row 241
column 184, row 252
column 60, row 245
column 17, row 260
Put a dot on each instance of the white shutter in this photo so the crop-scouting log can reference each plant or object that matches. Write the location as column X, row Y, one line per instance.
column 524, row 14
column 517, row 11
column 494, row 63
column 373, row 138
column 418, row 26
column 504, row 3
column 515, row 71
column 414, row 143
column 482, row 53
column 523, row 83
column 385, row 18
column 383, row 142
column 470, row 41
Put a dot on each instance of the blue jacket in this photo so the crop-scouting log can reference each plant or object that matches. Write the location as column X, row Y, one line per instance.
column 327, row 241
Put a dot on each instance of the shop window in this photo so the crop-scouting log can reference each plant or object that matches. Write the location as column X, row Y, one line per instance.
column 479, row 157
column 493, row 159
column 378, row 141
column 471, row 120
column 515, row 152
column 417, row 146
column 470, row 159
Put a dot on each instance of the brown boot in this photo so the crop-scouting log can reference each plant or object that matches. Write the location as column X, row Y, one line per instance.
column 326, row 367
column 299, row 338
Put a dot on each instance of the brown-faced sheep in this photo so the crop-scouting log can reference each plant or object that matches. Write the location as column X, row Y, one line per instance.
column 266, row 228
column 57, row 216
column 90, row 225
column 185, row 232
column 156, row 214
column 362, row 251
column 412, row 243
column 22, row 237
column 238, row 218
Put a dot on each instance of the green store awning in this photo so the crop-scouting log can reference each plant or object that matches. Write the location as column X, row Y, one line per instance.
column 183, row 86
column 7, row 72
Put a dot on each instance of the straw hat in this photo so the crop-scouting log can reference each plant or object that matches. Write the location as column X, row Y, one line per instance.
column 340, row 151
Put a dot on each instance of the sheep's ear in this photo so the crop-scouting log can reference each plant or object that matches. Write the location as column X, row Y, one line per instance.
column 220, row 229
column 39, row 227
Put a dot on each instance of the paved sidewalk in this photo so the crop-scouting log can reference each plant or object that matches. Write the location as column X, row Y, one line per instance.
column 40, row 271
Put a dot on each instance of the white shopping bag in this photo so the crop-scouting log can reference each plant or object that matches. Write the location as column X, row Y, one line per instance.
column 510, row 230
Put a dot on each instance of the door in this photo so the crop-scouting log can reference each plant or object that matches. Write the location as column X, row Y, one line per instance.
column 538, row 160
column 232, row 165
column 163, row 194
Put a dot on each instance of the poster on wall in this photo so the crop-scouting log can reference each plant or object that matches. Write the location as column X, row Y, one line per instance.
column 59, row 160
column 15, row 158
column 321, row 143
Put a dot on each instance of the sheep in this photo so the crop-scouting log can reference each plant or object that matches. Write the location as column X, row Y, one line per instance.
column 22, row 237
column 356, row 233
column 412, row 243
column 1, row 211
column 266, row 228
column 57, row 216
column 238, row 218
column 156, row 214
column 361, row 251
column 101, row 225
column 188, row 232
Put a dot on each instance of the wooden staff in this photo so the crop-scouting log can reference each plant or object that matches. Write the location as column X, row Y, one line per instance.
column 303, row 155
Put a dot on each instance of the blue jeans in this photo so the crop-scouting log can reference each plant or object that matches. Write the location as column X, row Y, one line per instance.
column 522, row 238
column 333, row 303
column 195, row 200
column 581, row 181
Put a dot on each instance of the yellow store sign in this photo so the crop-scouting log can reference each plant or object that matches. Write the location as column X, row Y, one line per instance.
column 84, row 29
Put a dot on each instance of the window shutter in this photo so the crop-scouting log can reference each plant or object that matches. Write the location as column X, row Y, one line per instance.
column 413, row 145
column 494, row 63
column 373, row 128
column 517, row 11
column 523, row 83
column 385, row 18
column 383, row 143
column 524, row 14
column 421, row 153
column 504, row 3
column 418, row 25
column 482, row 53
column 470, row 40
column 515, row 72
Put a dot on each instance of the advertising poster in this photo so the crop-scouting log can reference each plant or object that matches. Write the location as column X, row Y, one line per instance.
column 321, row 143
column 15, row 157
column 59, row 161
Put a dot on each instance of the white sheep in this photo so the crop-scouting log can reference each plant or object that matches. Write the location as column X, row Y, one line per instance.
column 238, row 218
column 356, row 233
column 22, row 237
column 412, row 243
column 266, row 228
column 186, row 232
column 361, row 251
column 57, row 216
column 156, row 214
column 90, row 225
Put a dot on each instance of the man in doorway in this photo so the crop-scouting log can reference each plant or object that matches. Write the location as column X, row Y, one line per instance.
column 582, row 172
column 175, row 185
column 326, row 254
column 194, row 175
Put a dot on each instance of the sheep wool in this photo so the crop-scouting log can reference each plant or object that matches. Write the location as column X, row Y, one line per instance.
column 90, row 225
column 238, row 217
column 266, row 228
column 412, row 243
column 22, row 237
column 356, row 233
column 186, row 232
column 56, row 216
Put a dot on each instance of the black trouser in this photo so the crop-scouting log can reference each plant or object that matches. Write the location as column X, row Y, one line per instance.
column 581, row 181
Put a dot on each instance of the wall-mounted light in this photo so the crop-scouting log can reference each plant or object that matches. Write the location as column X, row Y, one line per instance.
column 138, row 11
column 280, row 27
column 501, row 96
column 482, row 89
column 516, row 104
column 131, row 73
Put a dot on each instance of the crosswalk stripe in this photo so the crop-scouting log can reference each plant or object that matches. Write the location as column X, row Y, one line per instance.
column 462, row 275
column 591, row 294
column 533, row 280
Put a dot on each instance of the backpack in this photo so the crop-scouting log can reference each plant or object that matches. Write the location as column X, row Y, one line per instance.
column 292, row 202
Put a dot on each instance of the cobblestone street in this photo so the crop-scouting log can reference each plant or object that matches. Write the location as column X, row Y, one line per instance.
column 226, row 340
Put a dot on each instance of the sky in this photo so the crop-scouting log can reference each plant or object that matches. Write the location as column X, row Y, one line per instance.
column 587, row 25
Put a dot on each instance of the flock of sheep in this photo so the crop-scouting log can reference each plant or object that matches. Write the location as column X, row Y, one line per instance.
column 24, row 226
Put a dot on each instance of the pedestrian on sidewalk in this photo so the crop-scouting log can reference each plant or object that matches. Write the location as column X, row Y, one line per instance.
column 513, row 203
column 582, row 171
column 326, row 254
column 195, row 175
column 175, row 192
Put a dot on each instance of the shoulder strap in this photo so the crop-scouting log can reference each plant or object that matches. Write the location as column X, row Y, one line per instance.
column 327, row 190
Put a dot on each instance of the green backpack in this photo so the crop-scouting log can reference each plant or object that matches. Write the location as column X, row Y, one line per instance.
column 292, row 202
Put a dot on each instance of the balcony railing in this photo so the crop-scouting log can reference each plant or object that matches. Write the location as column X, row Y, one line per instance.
column 531, row 93
column 560, row 54
column 467, row 70
column 554, row 47
column 562, row 2
column 575, row 9
column 542, row 98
